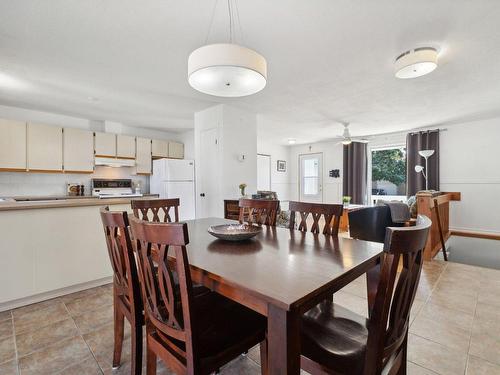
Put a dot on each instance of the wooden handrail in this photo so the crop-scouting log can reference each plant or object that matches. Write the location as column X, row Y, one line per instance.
column 474, row 234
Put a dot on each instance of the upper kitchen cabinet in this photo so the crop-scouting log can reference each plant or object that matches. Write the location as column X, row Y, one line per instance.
column 160, row 149
column 125, row 146
column 105, row 144
column 175, row 150
column 143, row 158
column 78, row 150
column 45, row 148
column 12, row 145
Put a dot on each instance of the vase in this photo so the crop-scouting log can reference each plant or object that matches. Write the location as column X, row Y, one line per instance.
column 242, row 191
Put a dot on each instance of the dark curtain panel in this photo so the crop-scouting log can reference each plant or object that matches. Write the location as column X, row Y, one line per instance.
column 415, row 142
column 355, row 172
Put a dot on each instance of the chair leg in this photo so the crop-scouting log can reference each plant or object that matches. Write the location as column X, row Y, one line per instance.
column 263, row 357
column 150, row 359
column 118, row 327
column 404, row 349
column 136, row 354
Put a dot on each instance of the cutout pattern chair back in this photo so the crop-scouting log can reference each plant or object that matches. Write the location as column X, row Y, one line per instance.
column 259, row 211
column 389, row 316
column 331, row 213
column 167, row 309
column 116, row 230
column 157, row 210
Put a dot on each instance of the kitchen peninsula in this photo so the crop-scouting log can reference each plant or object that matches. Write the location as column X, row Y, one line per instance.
column 57, row 249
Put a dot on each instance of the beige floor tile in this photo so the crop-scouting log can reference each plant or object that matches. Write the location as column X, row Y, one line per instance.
column 87, row 367
column 33, row 341
column 254, row 354
column 358, row 289
column 7, row 349
column 415, row 309
column 34, row 307
column 6, row 328
column 31, row 320
column 241, row 366
column 459, row 301
column 83, row 293
column 414, row 369
column 485, row 342
column 101, row 343
column 491, row 297
column 350, row 301
column 89, row 303
column 5, row 315
column 435, row 357
column 8, row 368
column 92, row 320
column 478, row 366
column 486, row 311
column 55, row 357
column 489, row 274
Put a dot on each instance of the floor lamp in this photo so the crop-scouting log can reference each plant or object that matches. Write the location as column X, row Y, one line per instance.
column 426, row 154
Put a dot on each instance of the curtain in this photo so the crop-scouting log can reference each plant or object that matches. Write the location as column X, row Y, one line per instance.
column 355, row 172
column 415, row 142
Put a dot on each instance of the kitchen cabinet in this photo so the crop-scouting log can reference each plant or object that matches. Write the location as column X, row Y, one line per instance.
column 175, row 150
column 78, row 150
column 45, row 148
column 125, row 146
column 12, row 145
column 160, row 148
column 105, row 144
column 143, row 158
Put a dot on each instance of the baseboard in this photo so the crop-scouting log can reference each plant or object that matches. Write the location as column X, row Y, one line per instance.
column 9, row 305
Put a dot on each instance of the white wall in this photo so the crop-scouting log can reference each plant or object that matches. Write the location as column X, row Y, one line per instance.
column 332, row 159
column 237, row 135
column 280, row 181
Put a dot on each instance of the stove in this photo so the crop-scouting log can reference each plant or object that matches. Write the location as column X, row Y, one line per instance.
column 113, row 188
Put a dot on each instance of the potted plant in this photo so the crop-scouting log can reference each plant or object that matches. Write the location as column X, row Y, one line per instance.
column 346, row 200
column 242, row 189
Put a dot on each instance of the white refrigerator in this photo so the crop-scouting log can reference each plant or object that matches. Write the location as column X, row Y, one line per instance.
column 173, row 178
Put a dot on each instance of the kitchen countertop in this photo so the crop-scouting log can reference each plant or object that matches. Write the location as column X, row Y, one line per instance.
column 37, row 202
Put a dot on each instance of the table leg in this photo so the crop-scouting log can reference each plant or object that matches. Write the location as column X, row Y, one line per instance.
column 372, row 279
column 283, row 341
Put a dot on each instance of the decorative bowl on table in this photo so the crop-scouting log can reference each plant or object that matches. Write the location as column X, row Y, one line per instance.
column 234, row 232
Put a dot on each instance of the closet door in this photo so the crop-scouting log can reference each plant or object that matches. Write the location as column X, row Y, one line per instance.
column 45, row 148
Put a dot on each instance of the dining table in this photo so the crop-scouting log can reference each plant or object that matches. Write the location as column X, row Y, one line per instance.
column 280, row 273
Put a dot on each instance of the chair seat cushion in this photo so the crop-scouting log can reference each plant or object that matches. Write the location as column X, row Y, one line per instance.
column 335, row 337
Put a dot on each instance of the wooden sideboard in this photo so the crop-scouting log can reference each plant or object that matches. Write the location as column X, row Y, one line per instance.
column 427, row 204
column 231, row 209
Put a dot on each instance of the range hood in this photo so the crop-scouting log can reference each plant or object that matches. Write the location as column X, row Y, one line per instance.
column 114, row 162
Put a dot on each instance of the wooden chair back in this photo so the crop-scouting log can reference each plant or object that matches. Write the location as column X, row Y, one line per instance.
column 157, row 210
column 330, row 212
column 389, row 315
column 121, row 255
column 259, row 211
column 167, row 309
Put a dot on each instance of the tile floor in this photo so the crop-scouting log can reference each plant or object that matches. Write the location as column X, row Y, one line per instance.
column 455, row 329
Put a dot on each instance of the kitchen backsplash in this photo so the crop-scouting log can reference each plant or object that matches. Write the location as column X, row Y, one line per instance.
column 42, row 184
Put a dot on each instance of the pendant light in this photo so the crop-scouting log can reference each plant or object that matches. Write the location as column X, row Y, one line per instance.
column 227, row 69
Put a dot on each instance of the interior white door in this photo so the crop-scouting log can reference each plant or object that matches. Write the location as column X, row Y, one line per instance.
column 311, row 177
column 263, row 172
column 208, row 193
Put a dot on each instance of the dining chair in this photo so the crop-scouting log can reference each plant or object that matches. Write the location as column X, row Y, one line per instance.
column 331, row 214
column 259, row 211
column 160, row 209
column 191, row 335
column 335, row 340
column 127, row 301
column 370, row 223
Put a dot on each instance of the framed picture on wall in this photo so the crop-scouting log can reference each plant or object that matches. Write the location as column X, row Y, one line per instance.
column 281, row 166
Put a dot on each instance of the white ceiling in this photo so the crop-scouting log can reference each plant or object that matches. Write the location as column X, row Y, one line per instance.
column 327, row 60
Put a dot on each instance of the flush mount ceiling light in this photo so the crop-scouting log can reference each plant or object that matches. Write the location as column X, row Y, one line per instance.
column 227, row 69
column 416, row 62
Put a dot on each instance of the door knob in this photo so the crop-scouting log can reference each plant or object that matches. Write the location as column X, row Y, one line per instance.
column 202, row 194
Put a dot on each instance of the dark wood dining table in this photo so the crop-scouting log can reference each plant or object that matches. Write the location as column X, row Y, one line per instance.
column 281, row 273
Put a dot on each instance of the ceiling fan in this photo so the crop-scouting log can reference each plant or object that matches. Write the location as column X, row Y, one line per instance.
column 346, row 136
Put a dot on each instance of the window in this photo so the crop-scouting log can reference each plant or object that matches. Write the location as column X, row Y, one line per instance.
column 389, row 173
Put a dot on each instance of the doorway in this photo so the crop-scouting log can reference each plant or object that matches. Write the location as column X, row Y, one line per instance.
column 311, row 178
column 263, row 172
